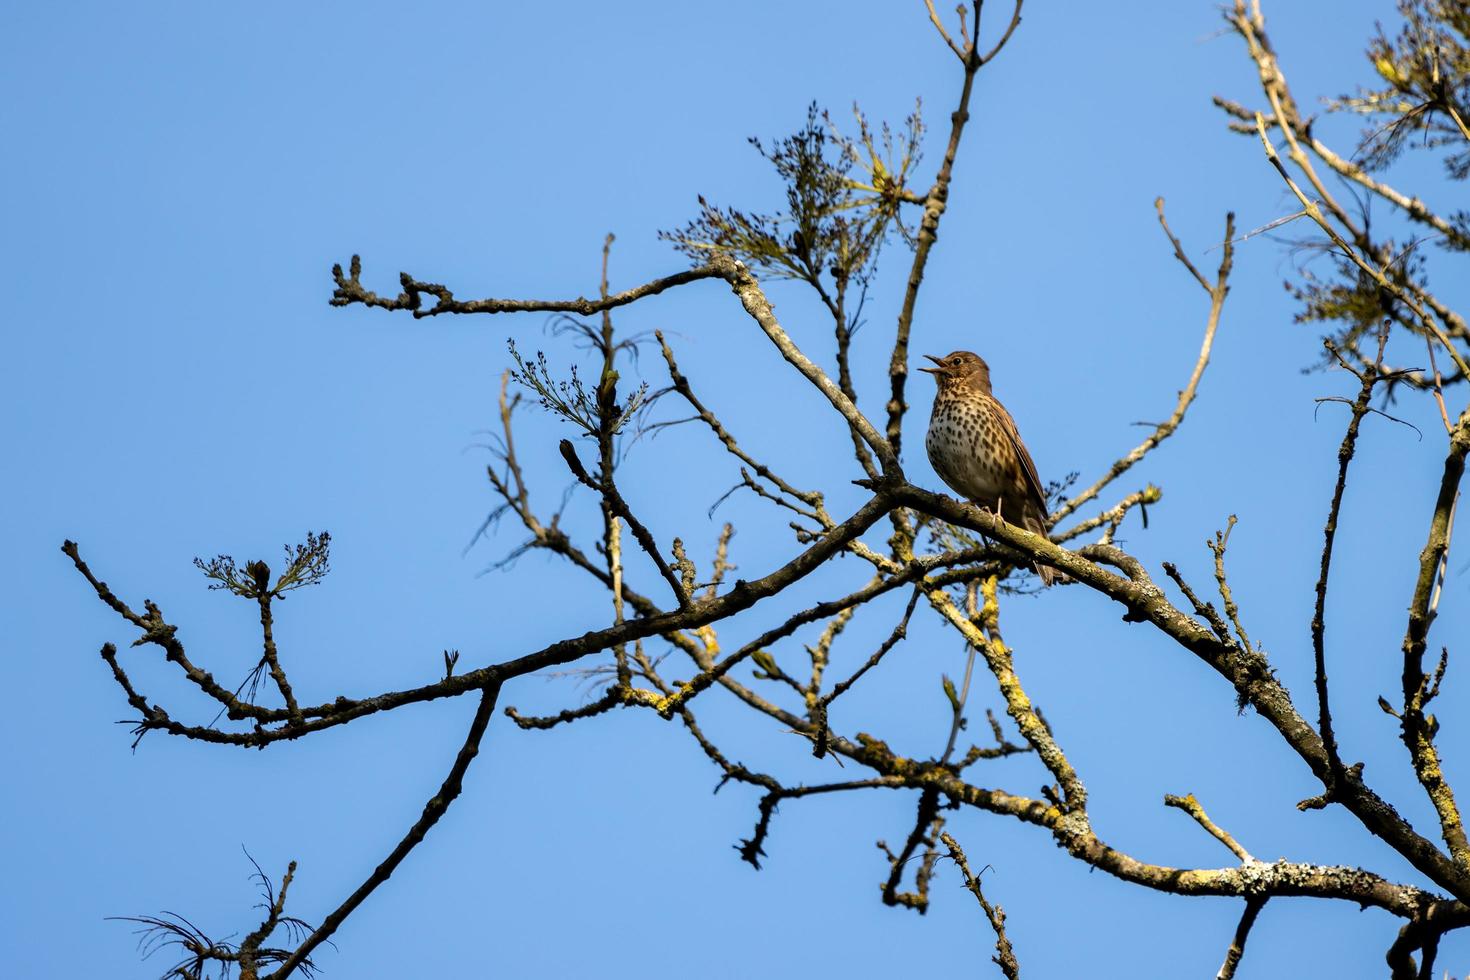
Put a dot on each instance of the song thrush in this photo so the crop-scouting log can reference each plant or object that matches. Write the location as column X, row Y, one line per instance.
column 976, row 450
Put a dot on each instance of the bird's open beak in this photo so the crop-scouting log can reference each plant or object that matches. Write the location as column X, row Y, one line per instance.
column 934, row 370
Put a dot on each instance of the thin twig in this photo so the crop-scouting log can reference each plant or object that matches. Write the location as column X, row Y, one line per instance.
column 449, row 790
column 939, row 26
column 1005, row 955
column 1345, row 453
column 1165, row 429
column 619, row 507
column 1191, row 806
column 934, row 205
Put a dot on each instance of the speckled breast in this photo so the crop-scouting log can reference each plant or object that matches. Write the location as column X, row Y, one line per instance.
column 966, row 448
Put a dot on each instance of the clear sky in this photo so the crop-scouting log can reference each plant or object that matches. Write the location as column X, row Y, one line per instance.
column 177, row 181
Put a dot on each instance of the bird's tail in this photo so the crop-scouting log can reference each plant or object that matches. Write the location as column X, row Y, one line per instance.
column 1049, row 576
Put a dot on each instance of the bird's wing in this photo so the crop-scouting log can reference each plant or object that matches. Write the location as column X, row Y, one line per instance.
column 1028, row 466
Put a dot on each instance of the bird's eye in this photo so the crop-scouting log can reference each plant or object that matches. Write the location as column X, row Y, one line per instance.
column 954, row 362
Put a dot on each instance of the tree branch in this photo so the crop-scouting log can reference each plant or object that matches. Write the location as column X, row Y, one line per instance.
column 1005, row 955
column 1167, row 428
column 448, row 792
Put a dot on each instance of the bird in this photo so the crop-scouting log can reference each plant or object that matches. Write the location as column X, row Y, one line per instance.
column 977, row 451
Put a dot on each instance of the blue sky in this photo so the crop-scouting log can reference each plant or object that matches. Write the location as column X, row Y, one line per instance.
column 178, row 182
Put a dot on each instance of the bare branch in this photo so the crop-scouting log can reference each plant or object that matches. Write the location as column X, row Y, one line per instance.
column 448, row 792
column 1167, row 428
column 619, row 507
column 350, row 290
column 925, row 834
column 1417, row 727
column 939, row 26
column 681, row 385
column 1345, row 452
column 1005, row 956
column 1233, row 955
column 1192, row 807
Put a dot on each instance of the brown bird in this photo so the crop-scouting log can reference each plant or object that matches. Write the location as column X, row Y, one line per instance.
column 976, row 450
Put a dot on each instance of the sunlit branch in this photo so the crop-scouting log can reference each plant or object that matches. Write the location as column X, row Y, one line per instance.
column 1192, row 807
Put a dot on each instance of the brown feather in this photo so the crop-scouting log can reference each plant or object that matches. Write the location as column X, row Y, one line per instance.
column 976, row 448
column 1028, row 465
